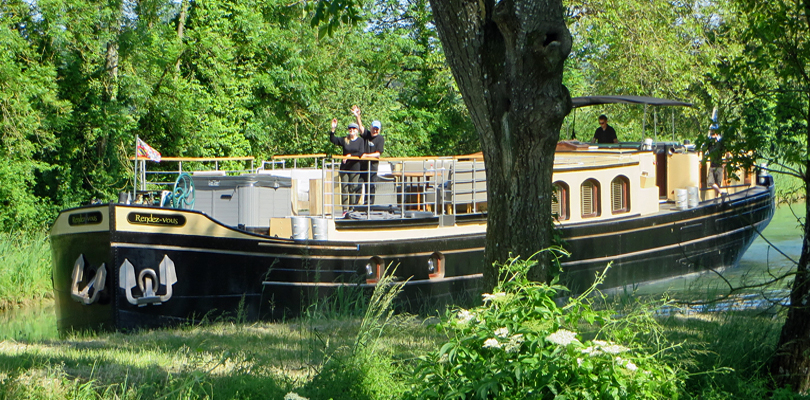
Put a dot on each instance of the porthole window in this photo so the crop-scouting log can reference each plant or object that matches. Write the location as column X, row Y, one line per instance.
column 589, row 192
column 373, row 270
column 620, row 195
column 435, row 265
column 559, row 202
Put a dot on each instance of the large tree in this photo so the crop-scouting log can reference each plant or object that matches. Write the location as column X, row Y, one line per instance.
column 507, row 59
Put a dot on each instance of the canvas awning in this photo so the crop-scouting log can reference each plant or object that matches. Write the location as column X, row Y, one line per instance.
column 586, row 101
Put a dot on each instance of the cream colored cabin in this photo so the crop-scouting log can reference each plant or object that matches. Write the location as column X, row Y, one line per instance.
column 596, row 185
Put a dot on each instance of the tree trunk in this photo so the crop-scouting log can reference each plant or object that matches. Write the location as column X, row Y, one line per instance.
column 507, row 59
column 791, row 365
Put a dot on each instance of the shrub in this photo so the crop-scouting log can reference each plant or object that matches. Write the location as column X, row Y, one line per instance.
column 520, row 344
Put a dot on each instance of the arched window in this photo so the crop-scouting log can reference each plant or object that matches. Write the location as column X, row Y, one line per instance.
column 590, row 198
column 559, row 203
column 620, row 195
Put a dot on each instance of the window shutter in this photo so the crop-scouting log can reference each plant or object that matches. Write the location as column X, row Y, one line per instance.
column 617, row 194
column 587, row 199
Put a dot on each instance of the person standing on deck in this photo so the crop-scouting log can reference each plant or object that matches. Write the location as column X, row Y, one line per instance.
column 715, row 152
column 604, row 133
column 352, row 145
column 375, row 145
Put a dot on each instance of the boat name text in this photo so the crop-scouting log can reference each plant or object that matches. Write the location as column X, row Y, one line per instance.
column 156, row 219
column 89, row 218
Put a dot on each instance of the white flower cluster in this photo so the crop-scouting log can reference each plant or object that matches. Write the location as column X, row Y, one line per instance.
column 493, row 297
column 294, row 396
column 627, row 364
column 514, row 343
column 512, row 346
column 562, row 337
column 601, row 346
column 465, row 316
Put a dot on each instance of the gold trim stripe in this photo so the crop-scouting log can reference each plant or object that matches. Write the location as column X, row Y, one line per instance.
column 680, row 221
column 667, row 247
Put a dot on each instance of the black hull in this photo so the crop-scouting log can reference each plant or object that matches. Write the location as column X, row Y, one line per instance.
column 221, row 271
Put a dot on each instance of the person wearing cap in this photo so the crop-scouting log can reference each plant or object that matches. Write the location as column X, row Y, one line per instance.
column 715, row 152
column 352, row 145
column 375, row 145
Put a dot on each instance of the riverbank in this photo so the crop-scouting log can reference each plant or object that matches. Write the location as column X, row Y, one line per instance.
column 725, row 356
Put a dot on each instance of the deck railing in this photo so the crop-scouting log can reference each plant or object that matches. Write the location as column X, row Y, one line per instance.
column 404, row 186
column 158, row 179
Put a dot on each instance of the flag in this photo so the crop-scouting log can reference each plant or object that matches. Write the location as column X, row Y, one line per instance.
column 145, row 150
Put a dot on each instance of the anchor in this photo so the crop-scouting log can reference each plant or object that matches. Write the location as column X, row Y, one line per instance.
column 148, row 282
column 96, row 284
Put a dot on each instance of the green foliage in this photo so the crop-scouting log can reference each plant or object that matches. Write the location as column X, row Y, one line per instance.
column 765, row 82
column 364, row 370
column 80, row 79
column 26, row 272
column 716, row 344
column 637, row 47
column 29, row 112
column 522, row 345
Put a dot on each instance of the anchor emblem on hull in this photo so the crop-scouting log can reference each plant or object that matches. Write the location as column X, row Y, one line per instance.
column 96, row 285
column 148, row 282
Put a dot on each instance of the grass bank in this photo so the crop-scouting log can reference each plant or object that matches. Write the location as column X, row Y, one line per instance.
column 219, row 361
column 25, row 275
column 720, row 356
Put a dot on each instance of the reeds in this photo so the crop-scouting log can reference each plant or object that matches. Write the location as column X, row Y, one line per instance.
column 25, row 274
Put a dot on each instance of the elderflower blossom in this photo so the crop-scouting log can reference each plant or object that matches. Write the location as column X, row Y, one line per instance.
column 627, row 364
column 591, row 351
column 492, row 343
column 294, row 396
column 493, row 297
column 601, row 346
column 614, row 349
column 502, row 332
column 562, row 337
column 514, row 343
column 465, row 316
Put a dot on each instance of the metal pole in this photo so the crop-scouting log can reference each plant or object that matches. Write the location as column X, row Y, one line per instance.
column 673, row 124
column 644, row 122
column 135, row 174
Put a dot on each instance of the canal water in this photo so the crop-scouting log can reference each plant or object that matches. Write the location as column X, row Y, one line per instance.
column 759, row 264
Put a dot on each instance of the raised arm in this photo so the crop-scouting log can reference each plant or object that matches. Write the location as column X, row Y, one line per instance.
column 332, row 138
column 356, row 112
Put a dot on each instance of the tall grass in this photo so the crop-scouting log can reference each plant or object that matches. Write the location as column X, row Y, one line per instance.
column 25, row 267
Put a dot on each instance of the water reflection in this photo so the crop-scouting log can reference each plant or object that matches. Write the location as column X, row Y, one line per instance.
column 31, row 323
column 761, row 263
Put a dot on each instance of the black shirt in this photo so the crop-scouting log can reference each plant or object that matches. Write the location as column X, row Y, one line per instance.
column 607, row 135
column 374, row 144
column 716, row 152
column 354, row 148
